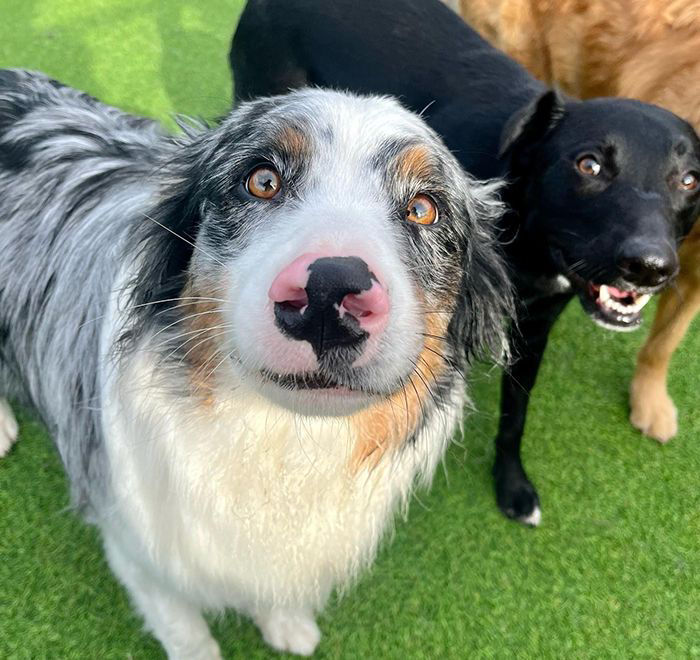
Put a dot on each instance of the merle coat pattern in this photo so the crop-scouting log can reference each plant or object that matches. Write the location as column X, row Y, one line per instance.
column 146, row 291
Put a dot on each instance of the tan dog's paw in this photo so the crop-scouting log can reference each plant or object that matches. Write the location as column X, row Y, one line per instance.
column 8, row 428
column 652, row 410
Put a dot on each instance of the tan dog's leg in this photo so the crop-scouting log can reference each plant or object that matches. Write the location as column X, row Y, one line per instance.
column 652, row 410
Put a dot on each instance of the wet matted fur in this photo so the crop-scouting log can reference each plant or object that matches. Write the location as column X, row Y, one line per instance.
column 137, row 317
column 639, row 49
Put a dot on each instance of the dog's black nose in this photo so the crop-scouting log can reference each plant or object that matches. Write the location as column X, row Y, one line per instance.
column 647, row 264
column 343, row 304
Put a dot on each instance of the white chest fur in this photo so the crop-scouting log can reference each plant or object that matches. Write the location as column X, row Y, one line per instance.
column 240, row 503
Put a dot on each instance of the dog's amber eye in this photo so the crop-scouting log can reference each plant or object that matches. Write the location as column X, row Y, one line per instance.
column 689, row 182
column 422, row 210
column 263, row 182
column 588, row 165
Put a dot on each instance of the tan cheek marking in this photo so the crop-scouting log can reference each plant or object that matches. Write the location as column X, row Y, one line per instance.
column 203, row 347
column 414, row 162
column 388, row 424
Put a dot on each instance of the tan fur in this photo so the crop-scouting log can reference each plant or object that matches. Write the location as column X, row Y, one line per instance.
column 653, row 412
column 202, row 327
column 414, row 162
column 387, row 424
column 294, row 143
column 644, row 49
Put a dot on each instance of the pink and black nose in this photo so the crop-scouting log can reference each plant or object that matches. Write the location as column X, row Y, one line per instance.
column 334, row 303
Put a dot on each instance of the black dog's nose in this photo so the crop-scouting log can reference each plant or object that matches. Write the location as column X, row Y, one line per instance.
column 344, row 302
column 647, row 264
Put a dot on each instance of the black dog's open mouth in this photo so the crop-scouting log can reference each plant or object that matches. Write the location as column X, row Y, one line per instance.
column 614, row 308
column 610, row 306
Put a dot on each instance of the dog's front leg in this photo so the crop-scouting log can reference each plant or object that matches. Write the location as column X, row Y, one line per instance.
column 652, row 410
column 516, row 496
column 177, row 624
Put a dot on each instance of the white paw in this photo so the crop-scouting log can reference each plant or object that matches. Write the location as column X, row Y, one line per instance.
column 8, row 427
column 533, row 519
column 294, row 632
column 208, row 650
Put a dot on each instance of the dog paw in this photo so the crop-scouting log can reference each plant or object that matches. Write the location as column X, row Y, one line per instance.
column 207, row 650
column 516, row 496
column 8, row 428
column 293, row 632
column 652, row 411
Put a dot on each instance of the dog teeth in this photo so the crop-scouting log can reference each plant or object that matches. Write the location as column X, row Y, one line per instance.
column 606, row 300
column 626, row 310
column 642, row 301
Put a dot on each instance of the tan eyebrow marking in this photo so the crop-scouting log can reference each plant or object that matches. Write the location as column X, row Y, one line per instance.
column 415, row 162
column 293, row 142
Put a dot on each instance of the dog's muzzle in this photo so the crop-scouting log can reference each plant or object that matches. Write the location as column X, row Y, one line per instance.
column 642, row 268
column 333, row 303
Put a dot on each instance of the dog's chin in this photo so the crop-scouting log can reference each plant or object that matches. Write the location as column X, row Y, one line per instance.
column 317, row 395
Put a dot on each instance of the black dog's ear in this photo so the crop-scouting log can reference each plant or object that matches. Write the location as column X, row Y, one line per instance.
column 530, row 124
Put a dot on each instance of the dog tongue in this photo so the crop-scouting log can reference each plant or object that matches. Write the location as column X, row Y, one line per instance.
column 617, row 292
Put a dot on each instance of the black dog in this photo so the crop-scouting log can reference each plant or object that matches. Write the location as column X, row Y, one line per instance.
column 601, row 191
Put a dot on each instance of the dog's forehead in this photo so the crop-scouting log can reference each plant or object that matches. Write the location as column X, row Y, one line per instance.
column 630, row 125
column 337, row 123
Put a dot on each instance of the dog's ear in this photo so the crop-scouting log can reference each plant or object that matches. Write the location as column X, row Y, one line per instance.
column 486, row 300
column 530, row 124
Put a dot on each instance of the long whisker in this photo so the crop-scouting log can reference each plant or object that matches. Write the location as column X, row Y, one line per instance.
column 182, row 238
column 438, row 337
column 211, row 373
column 428, row 389
column 200, row 342
column 196, row 335
column 184, row 304
column 193, row 298
column 181, row 320
column 415, row 389
column 191, row 332
column 429, row 368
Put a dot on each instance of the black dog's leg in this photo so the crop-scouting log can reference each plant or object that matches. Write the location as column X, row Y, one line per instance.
column 516, row 496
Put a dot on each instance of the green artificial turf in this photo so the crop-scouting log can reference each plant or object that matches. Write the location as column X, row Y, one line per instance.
column 614, row 570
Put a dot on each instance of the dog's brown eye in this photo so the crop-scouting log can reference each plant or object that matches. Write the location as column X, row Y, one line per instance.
column 689, row 181
column 588, row 165
column 263, row 182
column 422, row 209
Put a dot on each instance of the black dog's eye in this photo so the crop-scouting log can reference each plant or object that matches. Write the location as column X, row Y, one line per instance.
column 589, row 165
column 689, row 181
column 263, row 182
column 422, row 210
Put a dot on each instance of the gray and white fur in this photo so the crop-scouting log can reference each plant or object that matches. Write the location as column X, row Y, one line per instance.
column 226, row 462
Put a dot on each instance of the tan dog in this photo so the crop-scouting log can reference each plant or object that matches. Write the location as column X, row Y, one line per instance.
column 644, row 49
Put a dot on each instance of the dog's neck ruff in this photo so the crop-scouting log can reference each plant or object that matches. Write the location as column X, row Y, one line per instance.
column 260, row 502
